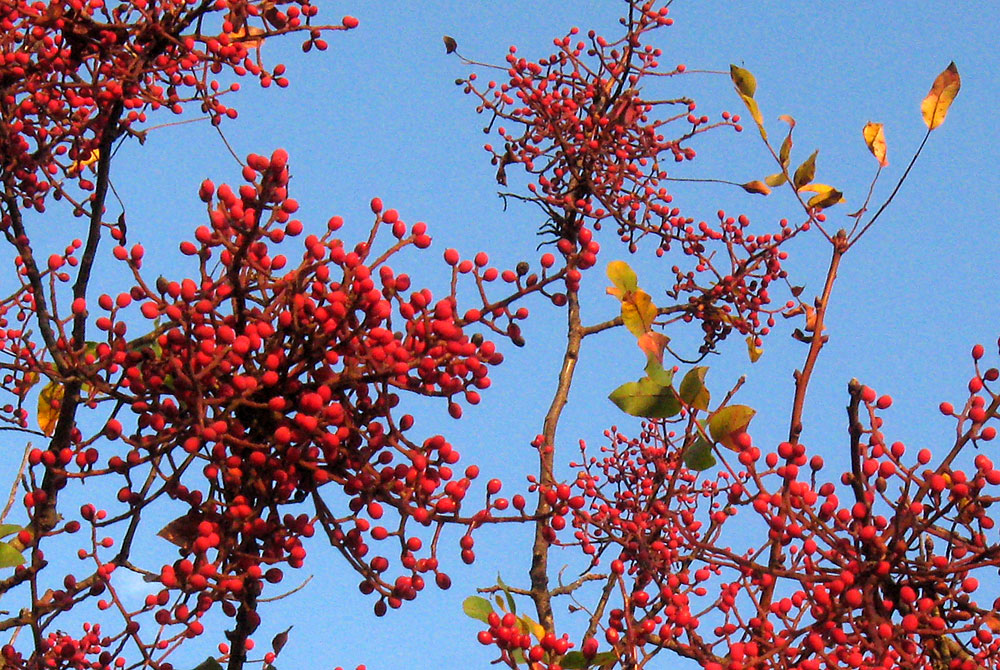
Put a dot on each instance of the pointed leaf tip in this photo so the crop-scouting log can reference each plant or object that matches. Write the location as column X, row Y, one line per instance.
column 875, row 139
column 934, row 107
column 744, row 80
column 806, row 172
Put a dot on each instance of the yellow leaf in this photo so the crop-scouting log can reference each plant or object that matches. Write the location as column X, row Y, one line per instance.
column 91, row 158
column 623, row 277
column 825, row 195
column 248, row 36
column 756, row 186
column 753, row 350
column 638, row 312
column 49, row 401
column 943, row 91
column 754, row 110
column 775, row 179
column 875, row 139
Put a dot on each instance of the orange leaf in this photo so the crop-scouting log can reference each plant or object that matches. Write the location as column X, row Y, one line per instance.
column 756, row 186
column 943, row 91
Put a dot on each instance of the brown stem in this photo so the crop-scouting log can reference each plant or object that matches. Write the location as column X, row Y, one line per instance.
column 855, row 429
column 802, row 377
column 540, row 593
column 246, row 623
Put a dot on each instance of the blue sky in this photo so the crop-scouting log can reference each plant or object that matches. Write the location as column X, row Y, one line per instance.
column 378, row 114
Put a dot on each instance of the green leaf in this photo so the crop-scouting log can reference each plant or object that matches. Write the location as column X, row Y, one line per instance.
column 478, row 608
column 622, row 276
column 744, row 80
column 698, row 455
column 806, row 172
column 729, row 421
column 693, row 391
column 209, row 664
column 9, row 529
column 9, row 556
column 934, row 107
column 655, row 371
column 517, row 655
column 605, row 658
column 506, row 592
column 647, row 399
column 574, row 660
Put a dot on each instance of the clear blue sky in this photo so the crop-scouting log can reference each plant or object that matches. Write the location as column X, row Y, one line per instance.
column 378, row 114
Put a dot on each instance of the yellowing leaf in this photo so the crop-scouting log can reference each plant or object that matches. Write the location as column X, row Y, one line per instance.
column 623, row 277
column 826, row 195
column 875, row 139
column 248, row 36
column 753, row 350
column 826, row 199
column 785, row 153
column 775, row 180
column 934, row 107
column 754, row 110
column 806, row 172
column 478, row 608
column 744, row 80
column 693, row 390
column 49, row 401
column 9, row 556
column 79, row 164
column 728, row 422
column 646, row 399
column 638, row 312
column 652, row 344
column 756, row 186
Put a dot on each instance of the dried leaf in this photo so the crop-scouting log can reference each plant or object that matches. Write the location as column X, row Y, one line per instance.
column 756, row 186
column 450, row 45
column 934, row 107
column 875, row 139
